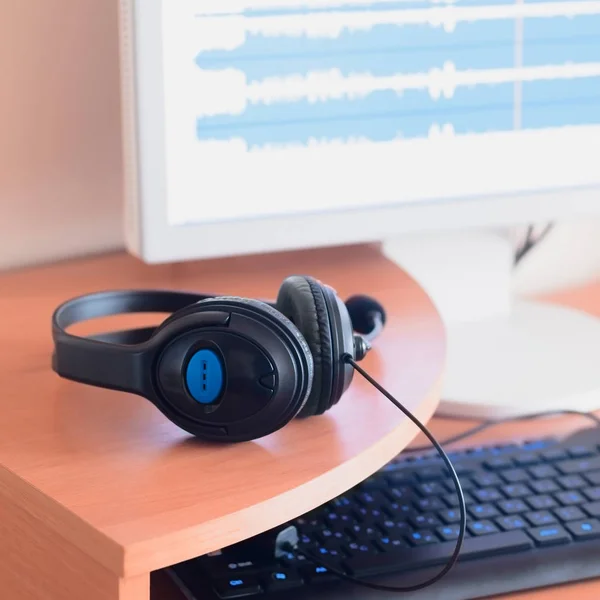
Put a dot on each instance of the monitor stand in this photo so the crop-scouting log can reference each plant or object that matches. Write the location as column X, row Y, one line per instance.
column 506, row 357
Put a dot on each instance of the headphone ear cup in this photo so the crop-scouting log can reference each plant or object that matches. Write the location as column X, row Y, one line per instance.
column 302, row 301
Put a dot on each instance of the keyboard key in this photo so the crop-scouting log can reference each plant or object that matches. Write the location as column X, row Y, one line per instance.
column 433, row 488
column 571, row 482
column 394, row 527
column 400, row 494
column 569, row 513
column 516, row 490
column 511, row 522
column 526, row 459
column 294, row 560
column 281, row 580
column 549, row 535
column 579, row 465
column 554, row 454
column 580, row 451
column 308, row 540
column 339, row 522
column 586, row 529
column 483, row 511
column 540, row 517
column 449, row 515
column 448, row 532
column 498, row 463
column 225, row 566
column 592, row 494
column 452, row 499
column 487, row 495
column 370, row 499
column 429, row 504
column 465, row 483
column 400, row 478
column 422, row 537
column 363, row 530
column 482, row 527
column 329, row 552
column 568, row 498
column 544, row 486
column 398, row 510
column 593, row 478
column 463, row 469
column 437, row 554
column 592, row 509
column 543, row 471
column 424, row 521
column 515, row 475
column 329, row 537
column 431, row 473
column 541, row 502
column 236, row 587
column 369, row 515
column 358, row 547
column 511, row 507
column 484, row 480
column 314, row 573
column 386, row 543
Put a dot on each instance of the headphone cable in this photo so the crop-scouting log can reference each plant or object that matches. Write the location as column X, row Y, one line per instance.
column 292, row 549
column 492, row 423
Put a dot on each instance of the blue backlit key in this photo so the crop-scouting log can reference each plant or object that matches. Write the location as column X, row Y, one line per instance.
column 236, row 587
column 568, row 498
column 282, row 580
column 422, row 537
column 592, row 494
column 317, row 573
column 585, row 529
column 482, row 528
column 541, row 517
column 511, row 522
column 549, row 535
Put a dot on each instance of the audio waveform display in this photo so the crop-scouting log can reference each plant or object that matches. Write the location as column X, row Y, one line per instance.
column 272, row 86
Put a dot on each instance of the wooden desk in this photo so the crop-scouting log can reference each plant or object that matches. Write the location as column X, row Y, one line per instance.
column 97, row 489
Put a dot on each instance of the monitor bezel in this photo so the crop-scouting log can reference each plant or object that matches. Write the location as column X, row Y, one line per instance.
column 149, row 236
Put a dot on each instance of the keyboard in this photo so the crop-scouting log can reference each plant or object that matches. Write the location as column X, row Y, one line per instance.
column 533, row 520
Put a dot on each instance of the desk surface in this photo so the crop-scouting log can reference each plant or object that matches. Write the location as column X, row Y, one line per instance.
column 133, row 492
column 586, row 298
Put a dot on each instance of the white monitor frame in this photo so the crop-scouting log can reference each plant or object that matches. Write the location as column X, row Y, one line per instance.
column 150, row 236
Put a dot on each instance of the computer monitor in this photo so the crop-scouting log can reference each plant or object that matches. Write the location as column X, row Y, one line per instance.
column 262, row 125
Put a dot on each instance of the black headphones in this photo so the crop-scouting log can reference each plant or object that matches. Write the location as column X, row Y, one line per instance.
column 223, row 368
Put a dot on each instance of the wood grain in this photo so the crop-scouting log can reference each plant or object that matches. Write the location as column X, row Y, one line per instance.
column 38, row 563
column 128, row 491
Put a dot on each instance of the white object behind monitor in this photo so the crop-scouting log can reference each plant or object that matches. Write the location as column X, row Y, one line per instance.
column 241, row 138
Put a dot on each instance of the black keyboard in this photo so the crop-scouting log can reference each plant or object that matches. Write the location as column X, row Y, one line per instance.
column 533, row 520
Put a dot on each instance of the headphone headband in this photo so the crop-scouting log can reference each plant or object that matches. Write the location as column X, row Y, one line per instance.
column 122, row 360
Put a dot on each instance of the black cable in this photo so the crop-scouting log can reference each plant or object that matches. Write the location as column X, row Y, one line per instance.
column 530, row 243
column 487, row 424
column 288, row 547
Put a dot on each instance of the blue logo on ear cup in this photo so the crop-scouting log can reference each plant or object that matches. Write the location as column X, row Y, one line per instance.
column 204, row 376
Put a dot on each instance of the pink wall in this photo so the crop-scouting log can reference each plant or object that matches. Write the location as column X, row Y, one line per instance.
column 60, row 178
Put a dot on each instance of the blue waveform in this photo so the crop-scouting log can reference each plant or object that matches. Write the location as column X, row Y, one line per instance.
column 387, row 50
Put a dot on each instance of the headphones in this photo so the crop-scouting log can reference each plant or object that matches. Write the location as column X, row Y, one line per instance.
column 223, row 368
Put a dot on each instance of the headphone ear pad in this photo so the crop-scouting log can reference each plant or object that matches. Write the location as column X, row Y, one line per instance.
column 302, row 301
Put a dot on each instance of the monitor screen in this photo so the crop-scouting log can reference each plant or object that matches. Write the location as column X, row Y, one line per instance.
column 277, row 107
